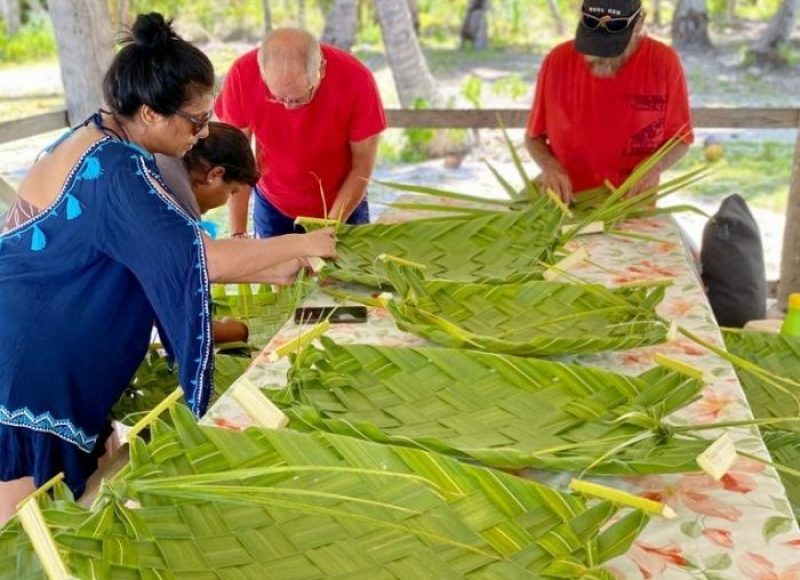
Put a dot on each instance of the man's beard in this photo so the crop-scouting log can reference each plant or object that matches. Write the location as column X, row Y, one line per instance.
column 605, row 67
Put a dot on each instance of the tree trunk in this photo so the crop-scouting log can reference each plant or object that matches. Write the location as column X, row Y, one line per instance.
column 765, row 51
column 690, row 25
column 730, row 9
column 36, row 6
column 412, row 78
column 85, row 50
column 267, row 15
column 301, row 13
column 124, row 14
column 657, row 12
column 413, row 6
column 556, row 13
column 10, row 13
column 475, row 29
column 790, row 258
column 341, row 23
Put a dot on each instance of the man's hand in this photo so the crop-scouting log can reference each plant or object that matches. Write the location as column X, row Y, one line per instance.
column 649, row 180
column 556, row 179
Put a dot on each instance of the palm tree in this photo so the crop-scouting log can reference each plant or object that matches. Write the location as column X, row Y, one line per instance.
column 341, row 24
column 412, row 78
column 475, row 28
column 765, row 51
column 267, row 15
column 10, row 14
column 85, row 49
column 690, row 25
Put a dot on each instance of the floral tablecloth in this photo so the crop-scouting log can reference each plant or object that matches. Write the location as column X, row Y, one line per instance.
column 740, row 527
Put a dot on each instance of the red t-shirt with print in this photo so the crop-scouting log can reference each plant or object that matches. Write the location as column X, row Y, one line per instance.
column 602, row 128
column 299, row 149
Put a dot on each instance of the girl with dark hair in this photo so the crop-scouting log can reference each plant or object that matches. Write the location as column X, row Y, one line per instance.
column 99, row 251
column 217, row 167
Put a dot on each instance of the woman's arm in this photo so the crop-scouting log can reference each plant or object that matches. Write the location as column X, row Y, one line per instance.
column 233, row 261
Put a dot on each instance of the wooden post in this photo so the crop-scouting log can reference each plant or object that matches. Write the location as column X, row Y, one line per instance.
column 790, row 256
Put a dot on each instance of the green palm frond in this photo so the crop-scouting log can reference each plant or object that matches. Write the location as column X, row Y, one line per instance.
column 601, row 204
column 156, row 378
column 279, row 504
column 488, row 248
column 771, row 398
column 503, row 411
column 263, row 309
column 533, row 318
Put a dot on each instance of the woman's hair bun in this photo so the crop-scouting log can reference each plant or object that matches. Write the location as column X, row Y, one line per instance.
column 152, row 31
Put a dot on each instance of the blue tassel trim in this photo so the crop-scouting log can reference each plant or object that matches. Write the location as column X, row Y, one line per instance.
column 91, row 168
column 73, row 207
column 210, row 228
column 38, row 241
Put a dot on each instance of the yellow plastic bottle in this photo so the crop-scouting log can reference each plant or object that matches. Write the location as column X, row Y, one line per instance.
column 791, row 324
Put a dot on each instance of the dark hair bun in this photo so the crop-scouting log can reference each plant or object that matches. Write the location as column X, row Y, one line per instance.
column 152, row 31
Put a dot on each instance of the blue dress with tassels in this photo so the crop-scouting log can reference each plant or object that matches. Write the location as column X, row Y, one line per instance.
column 81, row 285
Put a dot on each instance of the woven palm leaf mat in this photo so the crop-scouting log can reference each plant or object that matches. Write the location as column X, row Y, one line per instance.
column 780, row 355
column 497, row 247
column 503, row 411
column 533, row 318
column 156, row 378
column 263, row 309
column 279, row 504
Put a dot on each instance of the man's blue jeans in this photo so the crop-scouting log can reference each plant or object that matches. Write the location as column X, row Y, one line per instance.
column 269, row 221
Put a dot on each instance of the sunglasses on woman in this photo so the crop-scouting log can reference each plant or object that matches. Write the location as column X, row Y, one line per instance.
column 198, row 122
column 612, row 25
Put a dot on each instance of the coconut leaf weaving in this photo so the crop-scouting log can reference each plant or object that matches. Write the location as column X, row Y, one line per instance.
column 281, row 504
column 156, row 378
column 503, row 411
column 263, row 309
column 780, row 356
column 604, row 203
column 497, row 247
column 533, row 318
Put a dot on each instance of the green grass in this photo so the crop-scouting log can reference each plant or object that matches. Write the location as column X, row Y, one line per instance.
column 759, row 171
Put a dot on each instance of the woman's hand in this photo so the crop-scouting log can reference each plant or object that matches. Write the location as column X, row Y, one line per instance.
column 320, row 243
column 285, row 273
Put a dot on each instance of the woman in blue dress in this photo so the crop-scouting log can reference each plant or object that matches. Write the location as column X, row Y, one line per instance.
column 97, row 250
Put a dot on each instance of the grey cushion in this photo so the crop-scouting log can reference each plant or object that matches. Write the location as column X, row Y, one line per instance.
column 733, row 264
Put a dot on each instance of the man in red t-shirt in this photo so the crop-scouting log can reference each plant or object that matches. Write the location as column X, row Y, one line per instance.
column 316, row 116
column 607, row 101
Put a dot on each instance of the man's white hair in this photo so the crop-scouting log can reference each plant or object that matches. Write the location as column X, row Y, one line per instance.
column 287, row 51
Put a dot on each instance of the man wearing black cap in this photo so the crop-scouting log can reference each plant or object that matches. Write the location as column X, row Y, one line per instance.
column 606, row 101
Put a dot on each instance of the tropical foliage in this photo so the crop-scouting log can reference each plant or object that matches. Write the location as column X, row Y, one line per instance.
column 503, row 411
column 279, row 504
column 771, row 382
column 492, row 247
column 532, row 318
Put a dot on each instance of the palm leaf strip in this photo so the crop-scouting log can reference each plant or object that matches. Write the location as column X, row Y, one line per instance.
column 533, row 318
column 488, row 248
column 503, row 411
column 772, row 356
column 262, row 503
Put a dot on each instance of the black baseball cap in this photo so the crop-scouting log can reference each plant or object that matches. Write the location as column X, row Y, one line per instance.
column 599, row 41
